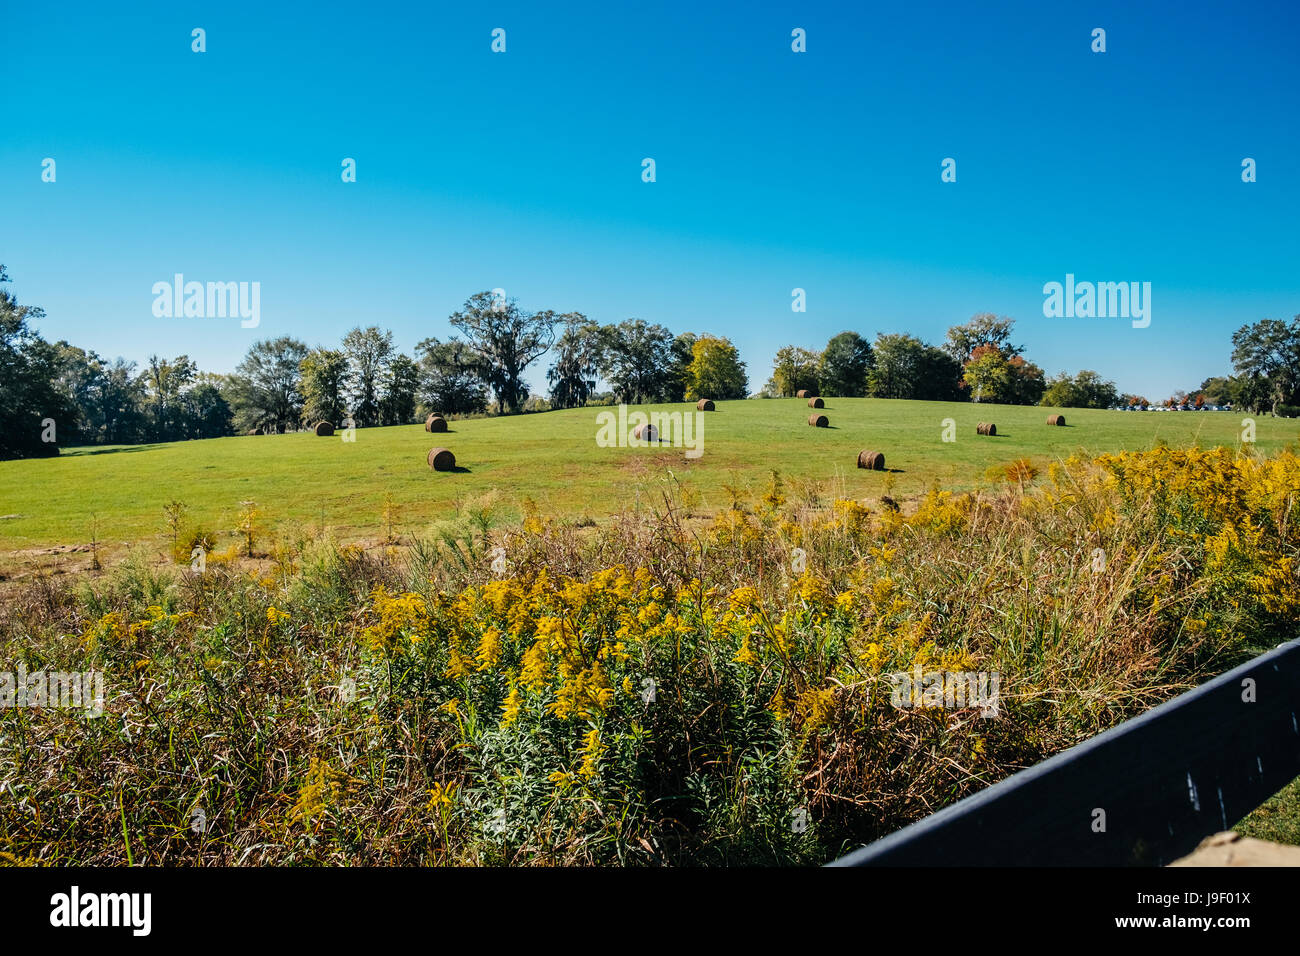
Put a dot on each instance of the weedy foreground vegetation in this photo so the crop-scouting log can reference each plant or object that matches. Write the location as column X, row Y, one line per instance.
column 664, row 690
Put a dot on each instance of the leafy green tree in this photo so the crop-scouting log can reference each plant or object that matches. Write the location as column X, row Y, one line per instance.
column 1027, row 382
column 897, row 369
column 984, row 329
column 107, row 398
column 987, row 375
column 401, row 384
column 716, row 370
column 1266, row 356
column 906, row 367
column 939, row 376
column 29, row 394
column 637, row 360
column 845, row 363
column 991, row 376
column 120, row 400
column 204, row 411
column 1221, row 390
column 78, row 378
column 577, row 362
column 369, row 352
column 165, row 382
column 323, row 383
column 264, row 389
column 506, row 340
column 450, row 379
column 1252, row 392
column 678, row 380
column 1087, row 389
column 793, row 370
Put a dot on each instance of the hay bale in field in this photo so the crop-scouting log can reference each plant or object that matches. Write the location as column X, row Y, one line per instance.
column 819, row 421
column 646, row 433
column 803, row 393
column 441, row 459
column 704, row 405
column 986, row 428
column 324, row 429
column 1056, row 419
column 815, row 402
column 874, row 460
column 435, row 423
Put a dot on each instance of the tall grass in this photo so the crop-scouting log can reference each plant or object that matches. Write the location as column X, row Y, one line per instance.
column 667, row 689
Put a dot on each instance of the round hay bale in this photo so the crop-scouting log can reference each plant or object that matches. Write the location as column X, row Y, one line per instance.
column 324, row 429
column 819, row 421
column 704, row 405
column 435, row 423
column 1056, row 419
column 873, row 460
column 803, row 393
column 816, row 403
column 986, row 428
column 646, row 433
column 441, row 459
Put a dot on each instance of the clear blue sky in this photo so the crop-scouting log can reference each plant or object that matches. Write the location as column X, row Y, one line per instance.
column 522, row 170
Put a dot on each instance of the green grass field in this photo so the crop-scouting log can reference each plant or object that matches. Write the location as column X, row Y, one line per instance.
column 554, row 459
column 1278, row 819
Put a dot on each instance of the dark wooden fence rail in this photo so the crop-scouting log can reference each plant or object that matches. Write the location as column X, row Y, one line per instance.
column 1164, row 781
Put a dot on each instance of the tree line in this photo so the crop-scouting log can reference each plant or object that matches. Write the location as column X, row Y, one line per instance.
column 54, row 393
column 978, row 362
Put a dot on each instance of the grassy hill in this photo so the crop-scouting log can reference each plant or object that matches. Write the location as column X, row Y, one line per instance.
column 554, row 459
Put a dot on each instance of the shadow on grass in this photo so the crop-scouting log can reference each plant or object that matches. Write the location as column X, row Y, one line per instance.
column 78, row 450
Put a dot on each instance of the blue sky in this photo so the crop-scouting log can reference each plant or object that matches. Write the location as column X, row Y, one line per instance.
column 775, row 170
